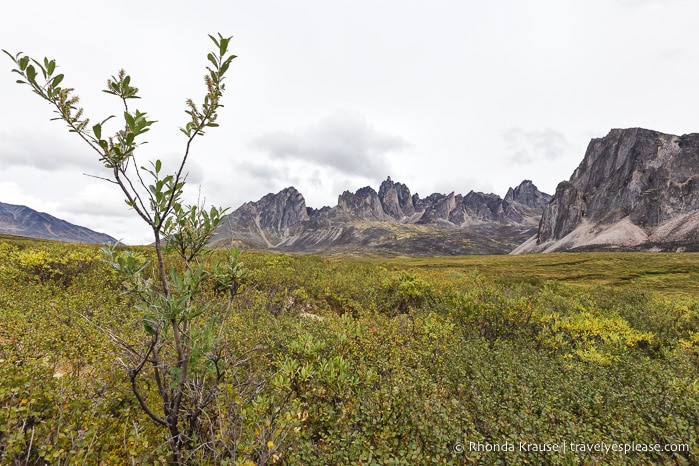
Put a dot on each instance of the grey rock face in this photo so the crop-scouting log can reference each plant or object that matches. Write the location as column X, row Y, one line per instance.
column 438, row 207
column 484, row 207
column 563, row 214
column 23, row 221
column 396, row 199
column 282, row 210
column 266, row 222
column 312, row 213
column 522, row 205
column 634, row 189
column 364, row 204
column 529, row 195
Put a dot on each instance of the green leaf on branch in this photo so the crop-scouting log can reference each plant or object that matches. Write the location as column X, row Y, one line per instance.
column 129, row 120
column 31, row 74
column 57, row 80
column 212, row 59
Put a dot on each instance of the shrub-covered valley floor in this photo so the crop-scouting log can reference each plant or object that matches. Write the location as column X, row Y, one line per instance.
column 367, row 360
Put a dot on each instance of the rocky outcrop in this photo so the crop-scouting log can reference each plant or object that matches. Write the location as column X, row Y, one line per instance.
column 364, row 204
column 485, row 207
column 522, row 205
column 391, row 220
column 527, row 194
column 563, row 214
column 282, row 210
column 396, row 200
column 635, row 189
column 22, row 221
column 438, row 207
column 267, row 222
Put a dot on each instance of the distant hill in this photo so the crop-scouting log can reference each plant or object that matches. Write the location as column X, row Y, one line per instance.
column 635, row 190
column 390, row 221
column 22, row 221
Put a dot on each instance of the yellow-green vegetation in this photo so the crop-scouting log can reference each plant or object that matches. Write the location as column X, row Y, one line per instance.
column 666, row 273
column 366, row 360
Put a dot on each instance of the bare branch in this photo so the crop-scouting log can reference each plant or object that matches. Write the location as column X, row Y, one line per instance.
column 101, row 178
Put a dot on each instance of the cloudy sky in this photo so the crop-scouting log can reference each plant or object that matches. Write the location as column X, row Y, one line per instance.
column 333, row 95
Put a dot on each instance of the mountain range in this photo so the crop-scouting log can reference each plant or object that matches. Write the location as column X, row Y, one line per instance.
column 388, row 221
column 635, row 189
column 22, row 221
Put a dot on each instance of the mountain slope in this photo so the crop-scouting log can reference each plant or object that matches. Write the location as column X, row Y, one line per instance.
column 635, row 189
column 23, row 221
column 390, row 221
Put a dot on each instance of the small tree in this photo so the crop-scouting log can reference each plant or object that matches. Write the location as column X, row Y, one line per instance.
column 181, row 353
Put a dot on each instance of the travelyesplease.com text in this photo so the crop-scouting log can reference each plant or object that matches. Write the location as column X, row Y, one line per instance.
column 573, row 447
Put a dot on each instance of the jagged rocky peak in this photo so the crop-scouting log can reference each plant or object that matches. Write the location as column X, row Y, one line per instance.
column 635, row 188
column 284, row 209
column 438, row 207
column 277, row 211
column 528, row 194
column 317, row 212
column 364, row 204
column 480, row 206
column 396, row 199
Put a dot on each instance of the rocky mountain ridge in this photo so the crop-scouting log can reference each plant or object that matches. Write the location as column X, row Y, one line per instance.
column 22, row 221
column 390, row 220
column 635, row 189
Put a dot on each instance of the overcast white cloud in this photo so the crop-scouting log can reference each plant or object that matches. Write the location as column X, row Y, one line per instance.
column 343, row 141
column 527, row 146
column 442, row 95
column 14, row 193
column 98, row 199
column 42, row 150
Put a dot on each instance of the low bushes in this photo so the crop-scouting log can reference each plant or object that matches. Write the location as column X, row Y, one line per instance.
column 345, row 362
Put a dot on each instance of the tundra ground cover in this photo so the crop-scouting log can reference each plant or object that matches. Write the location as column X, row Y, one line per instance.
column 370, row 360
